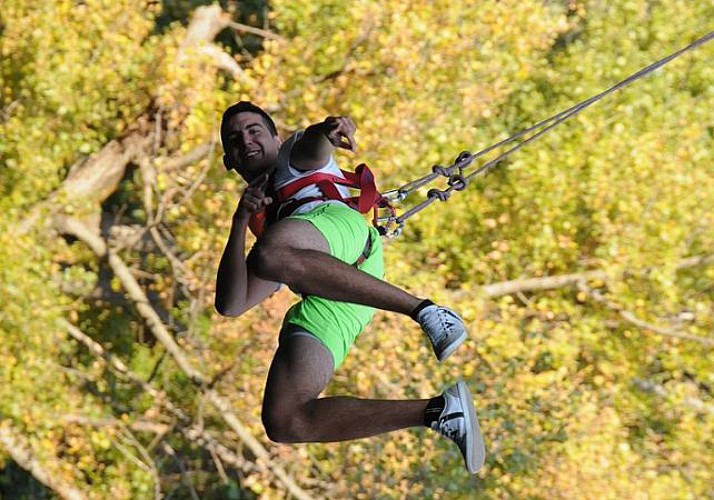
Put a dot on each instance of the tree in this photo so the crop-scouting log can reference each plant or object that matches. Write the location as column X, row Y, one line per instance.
column 582, row 264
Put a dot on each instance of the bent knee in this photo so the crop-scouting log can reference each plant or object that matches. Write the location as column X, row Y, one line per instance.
column 268, row 262
column 285, row 427
column 278, row 255
column 278, row 430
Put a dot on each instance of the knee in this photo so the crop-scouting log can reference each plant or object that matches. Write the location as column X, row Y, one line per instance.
column 284, row 426
column 265, row 262
column 278, row 428
column 275, row 263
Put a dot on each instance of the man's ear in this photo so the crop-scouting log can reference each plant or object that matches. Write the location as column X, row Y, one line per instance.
column 228, row 164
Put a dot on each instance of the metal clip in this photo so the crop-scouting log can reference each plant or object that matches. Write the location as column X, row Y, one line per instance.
column 389, row 227
column 395, row 195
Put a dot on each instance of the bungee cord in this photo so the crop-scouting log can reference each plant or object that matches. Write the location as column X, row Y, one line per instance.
column 392, row 225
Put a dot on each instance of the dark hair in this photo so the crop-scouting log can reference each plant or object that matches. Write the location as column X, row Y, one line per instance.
column 249, row 107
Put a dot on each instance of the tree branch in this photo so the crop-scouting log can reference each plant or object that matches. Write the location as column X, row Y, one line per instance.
column 660, row 391
column 19, row 450
column 184, row 424
column 207, row 21
column 98, row 177
column 136, row 426
column 77, row 229
column 181, row 162
column 501, row 288
column 244, row 28
column 93, row 180
column 223, row 61
column 632, row 319
column 538, row 284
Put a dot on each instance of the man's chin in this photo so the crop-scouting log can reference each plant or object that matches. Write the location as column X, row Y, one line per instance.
column 253, row 164
column 255, row 170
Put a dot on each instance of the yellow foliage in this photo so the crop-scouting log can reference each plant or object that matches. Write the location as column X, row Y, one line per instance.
column 574, row 401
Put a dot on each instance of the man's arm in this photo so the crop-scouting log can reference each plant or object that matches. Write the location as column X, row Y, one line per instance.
column 237, row 288
column 313, row 150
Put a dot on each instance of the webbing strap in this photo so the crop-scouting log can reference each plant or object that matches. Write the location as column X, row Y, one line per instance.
column 362, row 178
column 288, row 191
column 369, row 195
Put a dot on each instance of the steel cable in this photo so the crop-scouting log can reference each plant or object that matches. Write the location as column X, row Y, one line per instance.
column 459, row 182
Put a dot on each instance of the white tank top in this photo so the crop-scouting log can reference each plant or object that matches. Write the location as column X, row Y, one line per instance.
column 286, row 173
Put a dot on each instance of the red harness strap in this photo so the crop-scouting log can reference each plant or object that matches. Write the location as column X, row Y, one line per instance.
column 362, row 179
column 256, row 223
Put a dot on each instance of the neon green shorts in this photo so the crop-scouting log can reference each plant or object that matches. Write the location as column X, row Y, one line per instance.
column 337, row 324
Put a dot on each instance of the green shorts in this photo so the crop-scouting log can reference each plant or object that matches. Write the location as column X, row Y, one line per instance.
column 337, row 324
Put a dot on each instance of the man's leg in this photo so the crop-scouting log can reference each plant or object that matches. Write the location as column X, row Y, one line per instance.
column 297, row 252
column 294, row 252
column 292, row 411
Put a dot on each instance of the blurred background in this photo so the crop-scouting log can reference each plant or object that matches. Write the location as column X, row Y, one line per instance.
column 583, row 265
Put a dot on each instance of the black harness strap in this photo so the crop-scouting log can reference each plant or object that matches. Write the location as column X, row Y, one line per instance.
column 365, row 253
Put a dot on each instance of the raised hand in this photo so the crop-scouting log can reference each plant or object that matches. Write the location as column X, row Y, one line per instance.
column 254, row 199
column 340, row 131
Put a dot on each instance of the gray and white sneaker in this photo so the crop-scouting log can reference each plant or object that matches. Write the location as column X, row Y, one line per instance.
column 445, row 329
column 458, row 422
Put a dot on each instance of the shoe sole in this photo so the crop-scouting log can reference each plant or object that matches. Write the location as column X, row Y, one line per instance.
column 475, row 455
column 451, row 348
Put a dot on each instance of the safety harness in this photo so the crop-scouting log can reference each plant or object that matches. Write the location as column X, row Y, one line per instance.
column 362, row 180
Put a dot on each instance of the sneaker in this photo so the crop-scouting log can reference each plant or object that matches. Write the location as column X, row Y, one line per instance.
column 445, row 329
column 458, row 422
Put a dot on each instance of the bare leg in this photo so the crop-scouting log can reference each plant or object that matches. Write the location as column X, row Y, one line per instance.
column 292, row 412
column 294, row 252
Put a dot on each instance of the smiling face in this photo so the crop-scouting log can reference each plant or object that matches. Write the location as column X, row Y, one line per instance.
column 249, row 145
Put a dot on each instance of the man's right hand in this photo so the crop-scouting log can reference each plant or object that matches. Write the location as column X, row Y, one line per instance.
column 340, row 131
column 254, row 199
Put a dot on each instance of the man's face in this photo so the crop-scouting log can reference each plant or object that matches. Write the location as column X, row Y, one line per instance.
column 248, row 144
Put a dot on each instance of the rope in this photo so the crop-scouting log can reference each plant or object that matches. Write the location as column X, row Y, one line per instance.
column 458, row 182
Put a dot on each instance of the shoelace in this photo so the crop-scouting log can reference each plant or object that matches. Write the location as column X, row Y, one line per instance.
column 450, row 430
column 444, row 316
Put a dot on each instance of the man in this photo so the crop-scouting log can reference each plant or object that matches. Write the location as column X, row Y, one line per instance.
column 327, row 252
